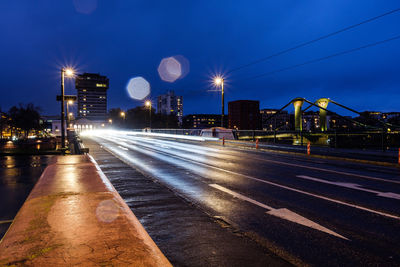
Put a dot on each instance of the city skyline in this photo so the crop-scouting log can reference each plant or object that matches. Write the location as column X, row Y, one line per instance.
column 214, row 45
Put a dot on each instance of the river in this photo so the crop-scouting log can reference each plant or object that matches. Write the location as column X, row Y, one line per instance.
column 18, row 175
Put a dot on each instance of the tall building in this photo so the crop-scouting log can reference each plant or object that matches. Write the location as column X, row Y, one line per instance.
column 244, row 115
column 170, row 104
column 92, row 96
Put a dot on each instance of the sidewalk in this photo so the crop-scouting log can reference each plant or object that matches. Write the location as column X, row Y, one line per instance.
column 74, row 216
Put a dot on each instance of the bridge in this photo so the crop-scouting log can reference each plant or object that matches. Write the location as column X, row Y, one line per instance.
column 209, row 201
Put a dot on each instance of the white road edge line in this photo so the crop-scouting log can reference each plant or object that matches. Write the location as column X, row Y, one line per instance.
column 352, row 186
column 282, row 213
column 332, row 171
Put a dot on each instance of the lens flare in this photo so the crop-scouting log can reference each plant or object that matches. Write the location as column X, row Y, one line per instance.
column 107, row 211
column 169, row 69
column 185, row 66
column 173, row 68
column 85, row 6
column 138, row 88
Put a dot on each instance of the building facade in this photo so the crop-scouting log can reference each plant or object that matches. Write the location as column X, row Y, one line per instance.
column 92, row 96
column 271, row 120
column 201, row 121
column 170, row 104
column 244, row 115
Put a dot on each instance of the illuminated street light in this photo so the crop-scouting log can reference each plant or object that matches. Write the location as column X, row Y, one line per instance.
column 110, row 121
column 69, row 73
column 69, row 114
column 123, row 115
column 219, row 81
column 147, row 103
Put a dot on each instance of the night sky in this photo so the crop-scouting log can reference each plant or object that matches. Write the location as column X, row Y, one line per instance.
column 125, row 39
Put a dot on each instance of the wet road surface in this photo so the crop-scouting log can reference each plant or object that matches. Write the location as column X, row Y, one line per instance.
column 306, row 210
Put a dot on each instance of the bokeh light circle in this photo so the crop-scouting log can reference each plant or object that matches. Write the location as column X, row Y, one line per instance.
column 85, row 6
column 173, row 68
column 107, row 211
column 138, row 88
column 169, row 69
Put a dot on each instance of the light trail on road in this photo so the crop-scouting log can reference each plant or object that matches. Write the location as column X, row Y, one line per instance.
column 225, row 182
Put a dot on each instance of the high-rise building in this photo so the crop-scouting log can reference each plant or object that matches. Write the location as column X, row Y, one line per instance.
column 244, row 115
column 92, row 96
column 170, row 104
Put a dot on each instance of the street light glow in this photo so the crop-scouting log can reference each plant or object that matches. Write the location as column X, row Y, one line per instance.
column 70, row 102
column 218, row 80
column 122, row 114
column 69, row 72
column 147, row 103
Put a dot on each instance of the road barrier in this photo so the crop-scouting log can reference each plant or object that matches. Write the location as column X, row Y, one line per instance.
column 308, row 148
column 256, row 143
column 223, row 141
column 74, row 216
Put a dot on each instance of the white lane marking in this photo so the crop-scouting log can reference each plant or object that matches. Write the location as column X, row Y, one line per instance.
column 123, row 148
column 332, row 171
column 352, row 186
column 242, row 197
column 292, row 189
column 280, row 213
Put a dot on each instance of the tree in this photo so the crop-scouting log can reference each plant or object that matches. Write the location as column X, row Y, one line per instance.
column 138, row 118
column 114, row 115
column 25, row 118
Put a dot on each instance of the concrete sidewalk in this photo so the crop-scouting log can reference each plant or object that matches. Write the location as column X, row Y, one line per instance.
column 74, row 216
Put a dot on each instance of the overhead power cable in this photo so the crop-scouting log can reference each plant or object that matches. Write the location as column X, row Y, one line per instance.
column 324, row 58
column 314, row 40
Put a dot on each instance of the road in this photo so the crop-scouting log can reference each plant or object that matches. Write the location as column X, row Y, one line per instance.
column 304, row 210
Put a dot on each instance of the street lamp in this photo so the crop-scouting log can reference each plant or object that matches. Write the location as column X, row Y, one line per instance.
column 219, row 81
column 69, row 115
column 122, row 114
column 69, row 73
column 147, row 103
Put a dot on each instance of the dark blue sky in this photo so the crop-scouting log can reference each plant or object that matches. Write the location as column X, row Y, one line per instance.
column 124, row 39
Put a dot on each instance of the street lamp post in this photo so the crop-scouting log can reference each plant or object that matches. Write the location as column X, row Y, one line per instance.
column 69, row 102
column 220, row 81
column 148, row 104
column 69, row 73
column 122, row 114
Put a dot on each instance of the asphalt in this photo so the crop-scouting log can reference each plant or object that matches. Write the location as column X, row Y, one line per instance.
column 304, row 210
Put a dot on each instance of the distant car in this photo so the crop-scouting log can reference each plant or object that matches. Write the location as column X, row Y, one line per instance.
column 218, row 132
